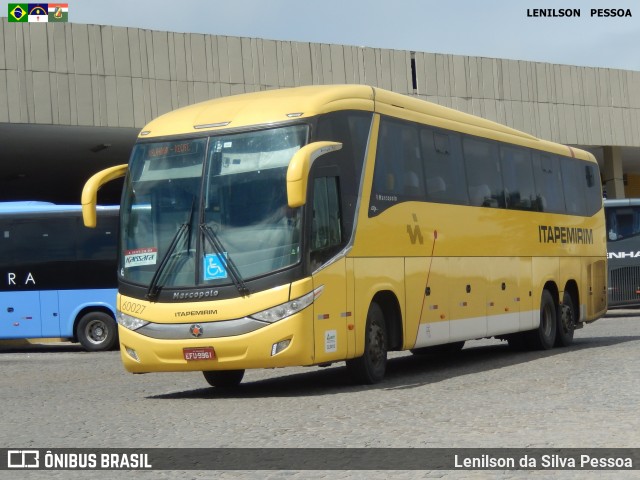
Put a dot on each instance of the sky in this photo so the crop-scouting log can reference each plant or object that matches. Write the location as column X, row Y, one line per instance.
column 485, row 28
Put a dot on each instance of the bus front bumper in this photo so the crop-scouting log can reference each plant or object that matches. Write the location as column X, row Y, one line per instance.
column 256, row 349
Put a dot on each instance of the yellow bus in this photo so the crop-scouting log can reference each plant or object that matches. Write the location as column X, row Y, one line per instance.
column 322, row 224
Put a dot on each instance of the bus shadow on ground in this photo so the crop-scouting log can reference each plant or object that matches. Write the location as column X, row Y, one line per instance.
column 404, row 372
column 7, row 347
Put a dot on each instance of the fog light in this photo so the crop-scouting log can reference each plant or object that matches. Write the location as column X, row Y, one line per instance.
column 280, row 346
column 132, row 353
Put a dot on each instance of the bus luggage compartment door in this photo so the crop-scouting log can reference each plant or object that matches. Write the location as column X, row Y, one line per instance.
column 20, row 315
column 50, row 315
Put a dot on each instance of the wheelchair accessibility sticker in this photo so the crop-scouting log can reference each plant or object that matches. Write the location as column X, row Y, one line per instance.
column 215, row 266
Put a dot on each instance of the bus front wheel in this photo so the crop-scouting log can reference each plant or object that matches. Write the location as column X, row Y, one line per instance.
column 371, row 366
column 97, row 331
column 223, row 378
column 544, row 337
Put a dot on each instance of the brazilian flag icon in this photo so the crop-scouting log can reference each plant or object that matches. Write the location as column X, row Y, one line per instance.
column 18, row 12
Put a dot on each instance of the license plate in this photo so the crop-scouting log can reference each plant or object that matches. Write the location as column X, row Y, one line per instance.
column 198, row 353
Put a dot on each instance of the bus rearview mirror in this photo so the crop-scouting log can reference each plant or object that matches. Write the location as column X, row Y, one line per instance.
column 299, row 168
column 90, row 192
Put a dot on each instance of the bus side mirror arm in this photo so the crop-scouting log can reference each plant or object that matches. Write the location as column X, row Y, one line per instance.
column 90, row 192
column 299, row 168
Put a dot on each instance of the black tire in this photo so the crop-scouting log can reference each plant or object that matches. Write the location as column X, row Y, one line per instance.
column 544, row 337
column 224, row 378
column 566, row 322
column 371, row 366
column 446, row 349
column 97, row 331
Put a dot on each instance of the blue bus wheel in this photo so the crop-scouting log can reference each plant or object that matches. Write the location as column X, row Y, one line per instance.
column 97, row 331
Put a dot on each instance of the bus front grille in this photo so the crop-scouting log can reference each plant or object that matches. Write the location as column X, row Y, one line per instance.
column 624, row 286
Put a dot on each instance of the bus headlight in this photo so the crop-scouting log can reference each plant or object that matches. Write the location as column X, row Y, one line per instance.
column 285, row 310
column 127, row 321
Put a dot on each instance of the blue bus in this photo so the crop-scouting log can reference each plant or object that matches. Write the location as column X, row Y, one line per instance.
column 57, row 278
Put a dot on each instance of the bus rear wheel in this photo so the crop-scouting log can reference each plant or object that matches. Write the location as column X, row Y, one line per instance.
column 566, row 322
column 97, row 331
column 223, row 378
column 371, row 366
column 544, row 337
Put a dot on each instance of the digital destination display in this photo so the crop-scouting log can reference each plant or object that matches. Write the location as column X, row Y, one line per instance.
column 172, row 150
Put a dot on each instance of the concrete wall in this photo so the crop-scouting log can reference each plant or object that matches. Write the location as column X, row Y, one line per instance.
column 75, row 74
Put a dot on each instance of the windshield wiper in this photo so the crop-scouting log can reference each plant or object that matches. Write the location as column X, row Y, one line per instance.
column 229, row 264
column 185, row 228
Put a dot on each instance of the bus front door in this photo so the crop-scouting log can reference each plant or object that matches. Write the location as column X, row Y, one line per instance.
column 330, row 308
column 330, row 313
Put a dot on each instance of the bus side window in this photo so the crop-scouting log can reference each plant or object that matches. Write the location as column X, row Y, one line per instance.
column 517, row 173
column 326, row 230
column 593, row 190
column 444, row 167
column 351, row 128
column 412, row 165
column 548, row 182
column 574, row 185
column 399, row 166
column 483, row 173
column 45, row 240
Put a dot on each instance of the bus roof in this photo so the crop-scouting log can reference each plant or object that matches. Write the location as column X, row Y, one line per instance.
column 276, row 106
column 260, row 108
column 45, row 207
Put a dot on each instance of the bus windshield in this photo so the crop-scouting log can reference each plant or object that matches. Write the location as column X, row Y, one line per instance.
column 622, row 222
column 180, row 230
